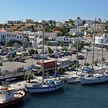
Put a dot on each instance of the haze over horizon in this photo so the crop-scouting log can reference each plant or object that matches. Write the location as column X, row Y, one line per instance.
column 58, row 10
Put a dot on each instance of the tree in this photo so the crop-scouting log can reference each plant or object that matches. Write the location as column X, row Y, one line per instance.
column 50, row 50
column 78, row 18
column 62, row 44
column 65, row 49
column 7, row 43
column 36, row 52
column 95, row 63
column 62, row 70
column 86, row 64
column 31, row 51
column 28, row 76
column 103, row 59
column 74, row 66
column 15, row 44
column 80, row 46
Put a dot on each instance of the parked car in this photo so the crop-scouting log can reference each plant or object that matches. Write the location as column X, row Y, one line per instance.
column 74, row 51
column 55, row 56
column 39, row 56
column 80, row 57
column 87, row 49
column 19, row 59
column 1, row 63
column 1, row 53
column 66, row 53
column 74, row 62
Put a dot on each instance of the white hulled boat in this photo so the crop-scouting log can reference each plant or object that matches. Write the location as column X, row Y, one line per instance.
column 95, row 79
column 73, row 79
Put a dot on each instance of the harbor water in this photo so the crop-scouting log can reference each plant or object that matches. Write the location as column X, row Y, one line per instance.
column 71, row 96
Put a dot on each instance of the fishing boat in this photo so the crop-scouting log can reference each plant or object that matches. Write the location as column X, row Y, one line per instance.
column 46, row 85
column 9, row 96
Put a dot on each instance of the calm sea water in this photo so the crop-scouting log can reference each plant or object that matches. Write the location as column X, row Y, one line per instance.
column 71, row 96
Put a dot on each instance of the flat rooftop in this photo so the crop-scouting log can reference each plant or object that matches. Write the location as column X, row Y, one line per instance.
column 46, row 61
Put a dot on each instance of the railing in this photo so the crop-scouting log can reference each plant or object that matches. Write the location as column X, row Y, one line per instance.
column 12, row 75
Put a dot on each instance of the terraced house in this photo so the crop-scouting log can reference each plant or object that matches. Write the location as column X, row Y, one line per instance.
column 11, row 36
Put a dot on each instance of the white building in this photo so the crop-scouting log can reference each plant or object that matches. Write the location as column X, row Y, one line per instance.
column 78, row 22
column 34, row 37
column 60, row 24
column 65, row 39
column 11, row 36
column 99, row 39
column 76, row 32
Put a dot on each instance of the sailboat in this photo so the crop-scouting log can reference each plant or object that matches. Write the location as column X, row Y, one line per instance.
column 95, row 78
column 47, row 85
column 76, row 77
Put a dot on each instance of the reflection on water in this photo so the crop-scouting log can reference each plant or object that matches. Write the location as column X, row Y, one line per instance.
column 71, row 96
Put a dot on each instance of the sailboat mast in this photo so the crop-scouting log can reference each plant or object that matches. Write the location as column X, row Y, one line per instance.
column 102, row 47
column 56, row 60
column 43, row 55
column 77, row 43
column 93, row 43
column 93, row 49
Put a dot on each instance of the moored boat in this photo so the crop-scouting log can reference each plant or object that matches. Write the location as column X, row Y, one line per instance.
column 9, row 96
column 45, row 86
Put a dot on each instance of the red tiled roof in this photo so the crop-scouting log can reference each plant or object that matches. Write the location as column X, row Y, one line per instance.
column 57, row 31
column 18, row 32
column 2, row 31
column 49, row 35
column 98, row 35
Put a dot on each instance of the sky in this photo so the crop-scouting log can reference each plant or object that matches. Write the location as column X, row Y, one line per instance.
column 58, row 10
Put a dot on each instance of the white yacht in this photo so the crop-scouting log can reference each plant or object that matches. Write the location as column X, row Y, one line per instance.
column 95, row 79
column 73, row 79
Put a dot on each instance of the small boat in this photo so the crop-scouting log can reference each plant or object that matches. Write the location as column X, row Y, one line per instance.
column 9, row 97
column 74, row 79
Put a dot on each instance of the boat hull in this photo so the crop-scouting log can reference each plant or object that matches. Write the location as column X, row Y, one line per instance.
column 45, row 89
column 96, row 81
column 10, row 103
column 73, row 81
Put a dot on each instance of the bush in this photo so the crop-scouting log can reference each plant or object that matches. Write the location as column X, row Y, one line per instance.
column 74, row 66
column 28, row 77
column 95, row 63
column 50, row 50
column 86, row 64
column 62, row 70
column 25, row 54
column 31, row 51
